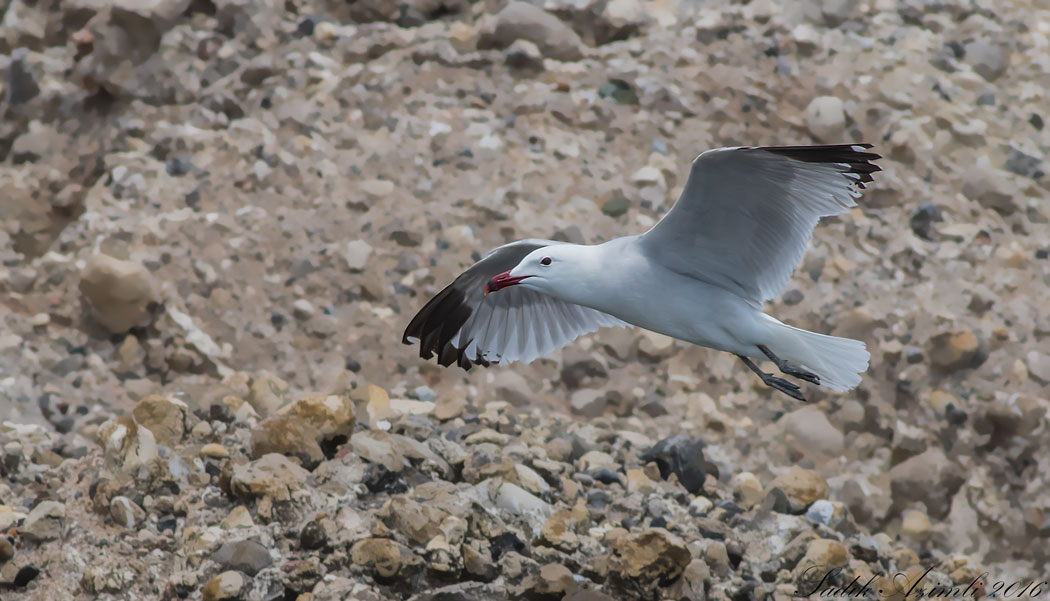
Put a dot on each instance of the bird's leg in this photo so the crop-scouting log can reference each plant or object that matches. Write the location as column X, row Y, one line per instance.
column 772, row 381
column 791, row 370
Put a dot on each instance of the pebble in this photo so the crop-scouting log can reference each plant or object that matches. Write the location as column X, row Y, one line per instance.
column 226, row 586
column 682, row 457
column 248, row 556
column 214, row 450
column 956, row 350
column 119, row 291
column 826, row 119
column 652, row 556
column 313, row 536
column 521, row 20
column 239, row 517
column 44, row 522
column 380, row 554
column 125, row 512
column 802, row 486
column 164, row 417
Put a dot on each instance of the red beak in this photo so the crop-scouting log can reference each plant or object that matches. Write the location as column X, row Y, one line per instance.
column 501, row 281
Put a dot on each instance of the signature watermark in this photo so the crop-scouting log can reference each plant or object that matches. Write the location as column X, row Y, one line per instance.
column 900, row 586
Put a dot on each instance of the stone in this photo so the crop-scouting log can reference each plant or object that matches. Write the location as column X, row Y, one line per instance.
column 226, row 586
column 694, row 581
column 214, row 450
column 916, row 525
column 125, row 512
column 650, row 557
column 356, row 254
column 930, row 478
column 654, row 347
column 747, row 489
column 992, row 188
column 822, row 554
column 615, row 206
column 588, row 402
column 120, row 292
column 163, row 416
column 377, row 447
column 239, row 517
column 530, row 480
column 313, row 535
column 809, row 430
column 639, row 482
column 271, row 479
column 44, row 522
column 802, row 486
column 552, row 580
column 290, row 436
column 922, row 220
column 380, row 554
column 248, row 556
column 826, row 119
column 956, row 350
column 523, row 54
column 377, row 188
column 559, row 530
column 681, row 456
column 267, row 393
column 836, row 12
column 512, row 387
column 126, row 445
column 7, row 549
column 419, row 522
column 990, row 61
column 1038, row 365
column 523, row 21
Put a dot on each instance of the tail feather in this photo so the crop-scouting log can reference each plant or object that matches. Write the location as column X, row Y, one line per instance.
column 839, row 362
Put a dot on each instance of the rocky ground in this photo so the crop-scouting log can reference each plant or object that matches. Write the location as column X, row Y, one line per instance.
column 217, row 218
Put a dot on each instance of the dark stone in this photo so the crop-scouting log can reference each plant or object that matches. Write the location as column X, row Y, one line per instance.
column 1024, row 164
column 353, row 365
column 178, row 167
column 166, row 522
column 607, row 476
column 219, row 412
column 579, row 373
column 681, row 456
column 21, row 85
column 1036, row 121
column 954, row 415
column 922, row 220
column 619, row 91
column 659, row 522
column 379, row 479
column 1042, row 253
column 246, row 556
column 25, row 576
column 780, row 502
column 792, row 297
column 313, row 536
column 506, row 542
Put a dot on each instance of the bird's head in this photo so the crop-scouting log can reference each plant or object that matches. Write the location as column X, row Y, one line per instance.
column 549, row 269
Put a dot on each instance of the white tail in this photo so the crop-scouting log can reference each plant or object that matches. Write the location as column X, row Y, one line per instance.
column 838, row 361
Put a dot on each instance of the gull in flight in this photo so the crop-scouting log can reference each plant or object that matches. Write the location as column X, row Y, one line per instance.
column 700, row 274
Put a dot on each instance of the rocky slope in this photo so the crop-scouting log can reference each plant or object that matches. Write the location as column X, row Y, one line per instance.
column 217, row 218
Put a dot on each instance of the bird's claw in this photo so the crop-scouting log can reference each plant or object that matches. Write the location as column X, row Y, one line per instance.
column 784, row 386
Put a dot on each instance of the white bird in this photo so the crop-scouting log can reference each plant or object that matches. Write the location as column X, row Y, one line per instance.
column 700, row 275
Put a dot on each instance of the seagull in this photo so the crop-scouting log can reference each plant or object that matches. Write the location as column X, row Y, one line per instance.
column 701, row 274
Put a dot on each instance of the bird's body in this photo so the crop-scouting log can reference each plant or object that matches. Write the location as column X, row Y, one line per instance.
column 700, row 275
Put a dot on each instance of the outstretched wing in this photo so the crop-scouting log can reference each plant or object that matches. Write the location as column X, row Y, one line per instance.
column 464, row 326
column 747, row 213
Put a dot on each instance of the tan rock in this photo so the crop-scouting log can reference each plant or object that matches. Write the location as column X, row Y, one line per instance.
column 163, row 416
column 239, row 517
column 638, row 482
column 226, row 586
column 956, row 349
column 379, row 554
column 825, row 553
column 419, row 522
column 290, row 436
column 551, row 580
column 120, row 292
column 125, row 444
column 801, row 486
column 214, row 450
column 268, row 393
column 916, row 525
column 747, row 489
column 524, row 21
column 125, row 512
column 331, row 414
column 652, row 556
column 44, row 522
column 271, row 479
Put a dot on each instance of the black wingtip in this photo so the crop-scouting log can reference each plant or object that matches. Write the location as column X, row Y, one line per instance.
column 860, row 162
column 436, row 324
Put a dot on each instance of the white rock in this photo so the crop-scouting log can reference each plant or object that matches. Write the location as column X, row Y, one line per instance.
column 356, row 254
column 826, row 119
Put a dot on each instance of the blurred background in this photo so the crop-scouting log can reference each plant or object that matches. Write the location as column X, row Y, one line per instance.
column 248, row 200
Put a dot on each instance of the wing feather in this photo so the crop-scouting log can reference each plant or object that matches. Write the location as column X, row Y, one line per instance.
column 747, row 213
column 462, row 326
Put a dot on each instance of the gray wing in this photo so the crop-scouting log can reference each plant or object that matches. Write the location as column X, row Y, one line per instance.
column 464, row 326
column 747, row 213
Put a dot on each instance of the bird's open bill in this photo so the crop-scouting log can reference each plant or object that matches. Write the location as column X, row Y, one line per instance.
column 501, row 281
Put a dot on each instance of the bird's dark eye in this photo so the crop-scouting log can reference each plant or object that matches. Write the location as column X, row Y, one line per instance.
column 545, row 261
